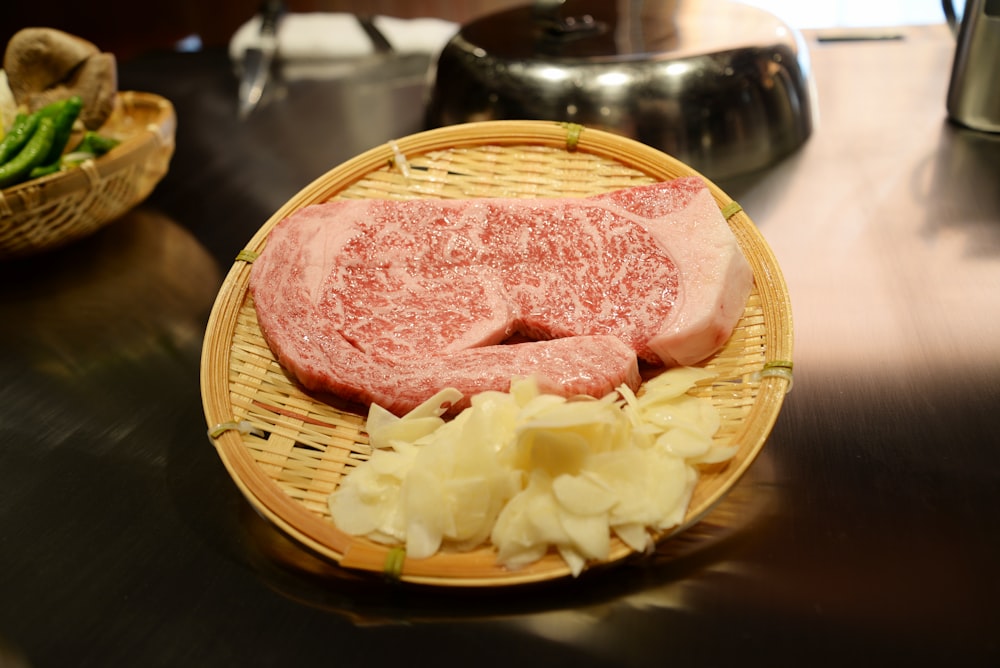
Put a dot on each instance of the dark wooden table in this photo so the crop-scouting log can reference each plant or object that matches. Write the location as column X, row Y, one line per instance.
column 866, row 533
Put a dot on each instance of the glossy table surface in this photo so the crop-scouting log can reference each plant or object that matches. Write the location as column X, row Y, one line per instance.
column 867, row 532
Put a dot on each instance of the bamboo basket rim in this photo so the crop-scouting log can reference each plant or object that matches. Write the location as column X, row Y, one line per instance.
column 318, row 534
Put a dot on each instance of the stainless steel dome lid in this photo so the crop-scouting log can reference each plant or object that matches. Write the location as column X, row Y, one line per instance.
column 720, row 85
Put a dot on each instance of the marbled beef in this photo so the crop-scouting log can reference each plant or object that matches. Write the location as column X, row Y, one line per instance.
column 390, row 301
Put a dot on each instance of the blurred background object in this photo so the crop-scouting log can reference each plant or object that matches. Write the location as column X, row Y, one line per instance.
column 722, row 86
column 129, row 28
column 853, row 13
column 973, row 97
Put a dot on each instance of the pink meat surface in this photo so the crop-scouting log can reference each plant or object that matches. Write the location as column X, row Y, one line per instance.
column 391, row 301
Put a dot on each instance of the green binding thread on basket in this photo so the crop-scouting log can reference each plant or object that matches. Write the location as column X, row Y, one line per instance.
column 243, row 426
column 731, row 210
column 573, row 132
column 247, row 255
column 393, row 566
column 778, row 369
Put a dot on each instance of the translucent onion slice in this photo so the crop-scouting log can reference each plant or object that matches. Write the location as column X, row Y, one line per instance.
column 531, row 473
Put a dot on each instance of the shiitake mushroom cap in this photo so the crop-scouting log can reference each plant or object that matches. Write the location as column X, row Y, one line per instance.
column 46, row 64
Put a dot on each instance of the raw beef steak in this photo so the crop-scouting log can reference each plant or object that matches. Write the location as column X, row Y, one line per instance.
column 391, row 301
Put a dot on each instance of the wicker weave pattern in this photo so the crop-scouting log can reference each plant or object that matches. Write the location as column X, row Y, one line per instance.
column 301, row 445
column 55, row 210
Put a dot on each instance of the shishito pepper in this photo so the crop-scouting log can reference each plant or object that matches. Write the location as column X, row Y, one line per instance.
column 20, row 132
column 32, row 155
column 46, row 149
column 65, row 114
column 95, row 144
column 44, row 170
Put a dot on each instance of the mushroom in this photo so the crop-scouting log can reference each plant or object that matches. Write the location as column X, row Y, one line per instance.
column 44, row 65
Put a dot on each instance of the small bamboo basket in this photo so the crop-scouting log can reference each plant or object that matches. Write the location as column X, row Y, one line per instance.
column 55, row 210
column 287, row 451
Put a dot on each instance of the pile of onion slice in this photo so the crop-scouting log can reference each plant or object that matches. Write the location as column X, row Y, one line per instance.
column 529, row 472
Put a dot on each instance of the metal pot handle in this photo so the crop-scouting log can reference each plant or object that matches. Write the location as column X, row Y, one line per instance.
column 954, row 21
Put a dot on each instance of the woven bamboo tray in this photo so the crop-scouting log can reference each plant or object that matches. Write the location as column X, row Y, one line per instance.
column 55, row 210
column 302, row 447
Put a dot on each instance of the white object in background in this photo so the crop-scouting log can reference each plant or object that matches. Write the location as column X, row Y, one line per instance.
column 322, row 35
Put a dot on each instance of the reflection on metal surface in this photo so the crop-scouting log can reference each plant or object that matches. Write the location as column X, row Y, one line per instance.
column 965, row 161
column 11, row 656
column 914, row 262
column 64, row 310
column 724, row 87
column 97, row 333
column 703, row 552
column 648, row 581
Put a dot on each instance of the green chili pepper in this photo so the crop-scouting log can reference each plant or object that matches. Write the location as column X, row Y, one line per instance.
column 44, row 170
column 26, row 124
column 95, row 143
column 64, row 117
column 53, row 109
column 20, row 133
column 17, row 168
